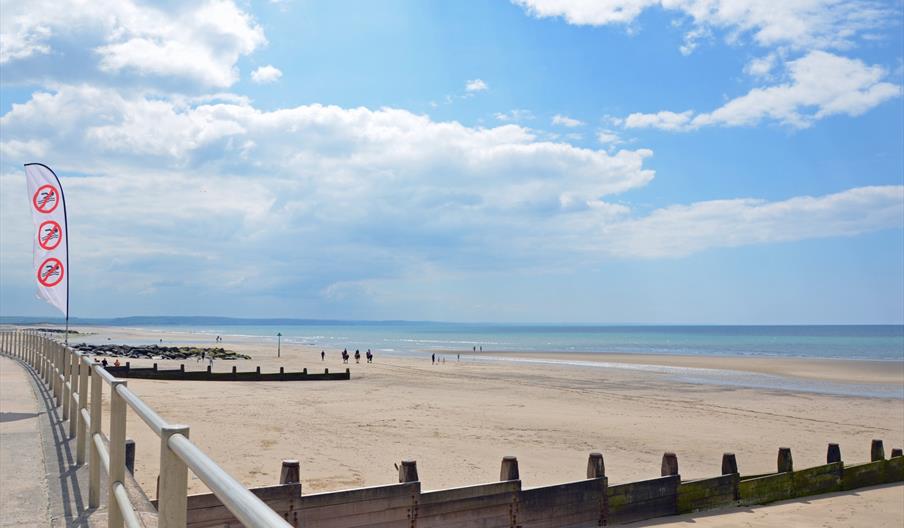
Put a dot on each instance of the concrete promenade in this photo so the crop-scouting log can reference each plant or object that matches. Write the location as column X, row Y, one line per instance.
column 23, row 488
column 39, row 485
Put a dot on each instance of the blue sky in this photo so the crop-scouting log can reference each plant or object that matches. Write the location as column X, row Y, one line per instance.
column 671, row 161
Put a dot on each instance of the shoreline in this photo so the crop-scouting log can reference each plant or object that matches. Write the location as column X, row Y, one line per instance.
column 824, row 369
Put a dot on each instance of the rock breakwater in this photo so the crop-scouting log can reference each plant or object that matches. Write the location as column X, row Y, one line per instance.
column 158, row 352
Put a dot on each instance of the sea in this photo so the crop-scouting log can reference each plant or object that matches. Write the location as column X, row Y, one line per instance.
column 410, row 339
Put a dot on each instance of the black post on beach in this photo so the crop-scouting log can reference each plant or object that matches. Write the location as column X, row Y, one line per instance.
column 278, row 343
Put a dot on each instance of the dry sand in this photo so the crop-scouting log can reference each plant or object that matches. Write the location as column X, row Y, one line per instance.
column 459, row 419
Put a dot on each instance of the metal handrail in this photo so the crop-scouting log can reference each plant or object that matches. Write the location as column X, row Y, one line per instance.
column 102, row 453
column 125, row 505
column 143, row 410
column 247, row 508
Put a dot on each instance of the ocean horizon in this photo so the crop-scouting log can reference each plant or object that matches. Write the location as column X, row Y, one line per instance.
column 860, row 342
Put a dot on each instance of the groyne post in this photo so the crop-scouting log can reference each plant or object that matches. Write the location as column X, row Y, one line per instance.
column 785, row 462
column 729, row 464
column 596, row 467
column 290, row 472
column 876, row 451
column 408, row 471
column 130, row 455
column 509, row 469
column 833, row 454
column 669, row 464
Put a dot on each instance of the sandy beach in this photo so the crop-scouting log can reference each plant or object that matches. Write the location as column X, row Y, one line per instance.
column 459, row 418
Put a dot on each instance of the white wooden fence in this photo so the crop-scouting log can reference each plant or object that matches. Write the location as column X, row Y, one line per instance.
column 68, row 374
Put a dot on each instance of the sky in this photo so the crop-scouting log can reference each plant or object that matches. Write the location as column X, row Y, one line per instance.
column 567, row 161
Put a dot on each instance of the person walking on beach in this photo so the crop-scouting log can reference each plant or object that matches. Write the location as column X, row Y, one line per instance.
column 433, row 359
column 322, row 355
column 104, row 363
column 370, row 356
column 357, row 356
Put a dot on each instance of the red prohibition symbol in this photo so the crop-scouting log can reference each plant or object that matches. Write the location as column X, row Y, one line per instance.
column 46, row 199
column 50, row 273
column 50, row 235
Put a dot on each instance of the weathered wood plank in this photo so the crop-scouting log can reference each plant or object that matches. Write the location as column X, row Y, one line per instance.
column 709, row 493
column 792, row 484
column 646, row 499
column 873, row 473
column 581, row 503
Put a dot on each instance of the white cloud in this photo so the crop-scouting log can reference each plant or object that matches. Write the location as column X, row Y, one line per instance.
column 514, row 116
column 806, row 24
column 681, row 230
column 761, row 67
column 476, row 85
column 821, row 85
column 566, row 121
column 608, row 137
column 217, row 186
column 266, row 74
column 198, row 42
column 664, row 120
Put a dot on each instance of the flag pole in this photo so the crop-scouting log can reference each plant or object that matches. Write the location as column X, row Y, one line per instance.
column 66, row 235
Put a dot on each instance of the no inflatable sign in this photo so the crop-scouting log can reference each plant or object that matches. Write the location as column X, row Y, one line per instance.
column 51, row 249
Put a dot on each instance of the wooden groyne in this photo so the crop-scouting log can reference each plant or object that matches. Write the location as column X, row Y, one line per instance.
column 581, row 503
column 181, row 374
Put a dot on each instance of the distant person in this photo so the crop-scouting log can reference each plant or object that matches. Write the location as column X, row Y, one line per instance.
column 474, row 349
column 458, row 357
column 370, row 356
column 357, row 356
column 444, row 360
column 116, row 362
column 322, row 355
column 481, row 348
column 433, row 359
column 104, row 363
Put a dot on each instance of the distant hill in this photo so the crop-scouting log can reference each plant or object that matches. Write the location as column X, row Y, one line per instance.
column 189, row 320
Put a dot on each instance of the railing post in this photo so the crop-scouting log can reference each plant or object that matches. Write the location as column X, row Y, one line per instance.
column 61, row 377
column 172, row 490
column 117, row 451
column 81, row 430
column 66, row 372
column 96, row 414
column 57, row 372
column 74, row 378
